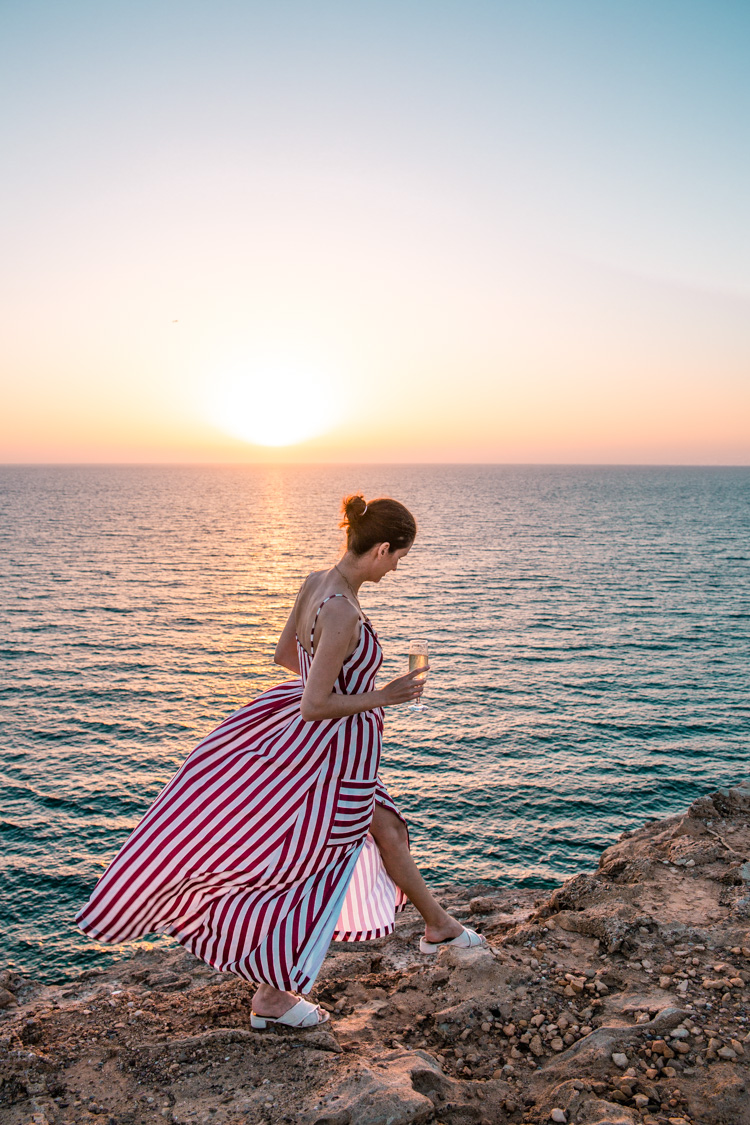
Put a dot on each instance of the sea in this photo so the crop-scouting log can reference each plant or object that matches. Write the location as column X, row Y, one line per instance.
column 589, row 631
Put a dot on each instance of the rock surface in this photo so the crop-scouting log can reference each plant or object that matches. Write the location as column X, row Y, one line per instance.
column 620, row 999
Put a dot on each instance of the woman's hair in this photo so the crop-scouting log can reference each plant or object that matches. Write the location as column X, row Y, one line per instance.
column 379, row 521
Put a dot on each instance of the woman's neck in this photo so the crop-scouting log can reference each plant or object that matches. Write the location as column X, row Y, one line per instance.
column 350, row 572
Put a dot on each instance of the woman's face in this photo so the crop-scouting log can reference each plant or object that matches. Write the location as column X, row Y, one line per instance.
column 386, row 560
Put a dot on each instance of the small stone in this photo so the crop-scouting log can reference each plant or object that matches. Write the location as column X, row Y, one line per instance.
column 7, row 999
column 558, row 1115
column 535, row 1046
column 481, row 905
column 726, row 1053
column 557, row 1044
column 621, row 1060
column 664, row 981
column 641, row 1101
column 736, row 1046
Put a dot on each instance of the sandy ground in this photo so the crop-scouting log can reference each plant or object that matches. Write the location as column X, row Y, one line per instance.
column 621, row 999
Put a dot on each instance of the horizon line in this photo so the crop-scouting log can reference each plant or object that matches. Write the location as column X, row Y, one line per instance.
column 364, row 464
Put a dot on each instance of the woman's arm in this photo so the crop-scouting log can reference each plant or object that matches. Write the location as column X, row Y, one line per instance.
column 286, row 650
column 337, row 637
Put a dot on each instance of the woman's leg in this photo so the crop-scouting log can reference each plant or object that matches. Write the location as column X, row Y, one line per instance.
column 391, row 837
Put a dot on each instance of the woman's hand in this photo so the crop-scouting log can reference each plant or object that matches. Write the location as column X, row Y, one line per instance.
column 404, row 688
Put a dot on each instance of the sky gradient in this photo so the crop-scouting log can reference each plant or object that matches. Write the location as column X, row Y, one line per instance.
column 476, row 231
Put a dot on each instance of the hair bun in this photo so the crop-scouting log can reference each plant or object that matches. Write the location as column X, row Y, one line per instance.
column 388, row 521
column 353, row 507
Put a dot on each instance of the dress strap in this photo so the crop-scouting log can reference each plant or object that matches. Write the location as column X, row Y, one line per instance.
column 315, row 619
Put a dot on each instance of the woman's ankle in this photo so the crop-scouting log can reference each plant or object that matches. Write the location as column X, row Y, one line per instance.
column 441, row 927
column 273, row 1002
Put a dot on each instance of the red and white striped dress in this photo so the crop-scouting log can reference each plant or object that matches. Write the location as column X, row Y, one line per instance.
column 257, row 853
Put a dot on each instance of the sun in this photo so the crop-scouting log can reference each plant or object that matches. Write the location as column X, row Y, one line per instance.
column 274, row 404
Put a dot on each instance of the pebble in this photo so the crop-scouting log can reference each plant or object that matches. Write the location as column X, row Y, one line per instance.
column 7, row 999
column 558, row 1115
column 619, row 1059
column 481, row 905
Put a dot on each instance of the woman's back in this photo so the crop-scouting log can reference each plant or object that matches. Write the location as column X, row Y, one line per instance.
column 315, row 589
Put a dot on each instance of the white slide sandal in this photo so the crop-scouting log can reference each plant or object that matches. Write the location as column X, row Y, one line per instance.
column 467, row 939
column 301, row 1014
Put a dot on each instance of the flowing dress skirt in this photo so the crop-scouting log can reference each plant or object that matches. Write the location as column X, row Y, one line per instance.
column 258, row 853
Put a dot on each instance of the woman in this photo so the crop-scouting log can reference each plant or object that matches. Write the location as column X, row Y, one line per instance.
column 276, row 835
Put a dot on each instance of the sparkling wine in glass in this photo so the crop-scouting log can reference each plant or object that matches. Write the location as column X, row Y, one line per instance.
column 418, row 658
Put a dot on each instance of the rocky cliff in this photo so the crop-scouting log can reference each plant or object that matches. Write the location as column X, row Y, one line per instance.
column 618, row 1000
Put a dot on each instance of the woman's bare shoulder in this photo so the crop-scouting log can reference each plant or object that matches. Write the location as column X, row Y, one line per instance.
column 339, row 608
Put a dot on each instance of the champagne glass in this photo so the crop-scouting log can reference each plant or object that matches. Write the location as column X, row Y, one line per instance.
column 418, row 659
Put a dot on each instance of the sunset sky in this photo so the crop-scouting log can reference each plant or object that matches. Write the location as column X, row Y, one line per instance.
column 474, row 230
